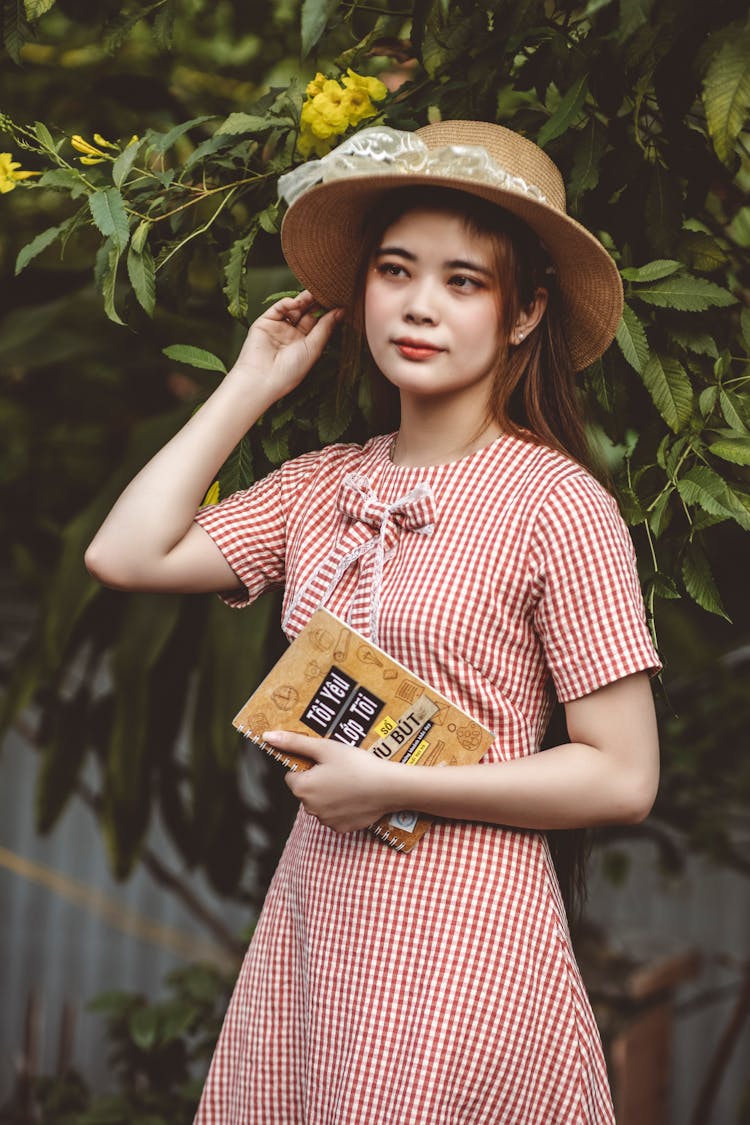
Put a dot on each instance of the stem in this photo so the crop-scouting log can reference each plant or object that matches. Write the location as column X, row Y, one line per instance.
column 196, row 232
column 203, row 195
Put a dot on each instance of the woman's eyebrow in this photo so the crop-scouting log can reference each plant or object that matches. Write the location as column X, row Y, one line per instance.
column 455, row 264
column 459, row 264
column 396, row 250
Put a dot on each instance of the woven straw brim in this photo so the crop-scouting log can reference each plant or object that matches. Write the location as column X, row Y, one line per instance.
column 322, row 237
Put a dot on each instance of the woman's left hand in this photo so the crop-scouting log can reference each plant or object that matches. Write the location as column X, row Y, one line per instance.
column 346, row 788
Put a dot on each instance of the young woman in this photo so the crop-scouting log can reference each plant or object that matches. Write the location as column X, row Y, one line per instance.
column 438, row 987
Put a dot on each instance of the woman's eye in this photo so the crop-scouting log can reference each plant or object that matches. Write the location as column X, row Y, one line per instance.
column 390, row 269
column 460, row 281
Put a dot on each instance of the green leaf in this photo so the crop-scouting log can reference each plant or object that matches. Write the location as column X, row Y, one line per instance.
column 739, row 228
column 109, row 281
column 44, row 136
column 700, row 343
column 702, row 252
column 66, row 179
column 660, row 515
column 707, row 400
column 251, row 123
column 663, row 210
column 164, row 141
column 699, row 581
column 730, row 408
column 234, row 272
column 736, row 449
column 652, row 271
column 665, row 586
column 36, row 8
column 143, row 277
column 276, row 446
column 144, row 1026
column 314, row 17
column 108, row 212
column 669, row 386
column 237, row 472
column 269, row 219
column 633, row 14
column 631, row 336
column 15, row 28
column 138, row 241
column 704, row 487
column 565, row 114
column 124, row 162
column 745, row 326
column 194, row 357
column 588, row 154
column 630, row 506
column 688, row 294
column 726, row 94
column 334, row 416
column 30, row 251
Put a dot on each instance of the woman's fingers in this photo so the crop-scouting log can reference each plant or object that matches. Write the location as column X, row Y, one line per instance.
column 294, row 309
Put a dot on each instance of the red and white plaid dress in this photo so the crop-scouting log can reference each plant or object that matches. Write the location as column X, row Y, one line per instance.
column 437, row 987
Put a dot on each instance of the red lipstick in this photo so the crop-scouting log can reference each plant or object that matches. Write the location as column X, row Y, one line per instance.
column 410, row 348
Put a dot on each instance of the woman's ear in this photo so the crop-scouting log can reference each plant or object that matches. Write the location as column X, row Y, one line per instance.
column 529, row 317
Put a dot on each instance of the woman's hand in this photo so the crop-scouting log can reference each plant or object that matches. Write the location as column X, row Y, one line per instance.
column 346, row 788
column 283, row 344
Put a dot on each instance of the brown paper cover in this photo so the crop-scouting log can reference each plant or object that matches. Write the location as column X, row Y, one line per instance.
column 334, row 683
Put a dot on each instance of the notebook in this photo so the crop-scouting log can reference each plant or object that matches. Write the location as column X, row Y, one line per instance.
column 335, row 683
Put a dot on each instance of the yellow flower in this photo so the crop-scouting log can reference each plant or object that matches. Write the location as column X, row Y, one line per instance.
column 212, row 496
column 332, row 108
column 132, row 140
column 328, row 115
column 376, row 89
column 357, row 106
column 92, row 155
column 9, row 174
column 316, row 86
column 101, row 141
column 309, row 145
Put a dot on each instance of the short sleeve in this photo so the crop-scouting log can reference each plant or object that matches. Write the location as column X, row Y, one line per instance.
column 250, row 529
column 589, row 612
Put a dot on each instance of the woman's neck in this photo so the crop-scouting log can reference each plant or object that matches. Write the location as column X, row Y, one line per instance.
column 434, row 432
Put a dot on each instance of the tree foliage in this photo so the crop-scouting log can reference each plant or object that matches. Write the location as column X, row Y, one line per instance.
column 156, row 203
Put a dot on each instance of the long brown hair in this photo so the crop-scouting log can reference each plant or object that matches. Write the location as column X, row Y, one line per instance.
column 533, row 393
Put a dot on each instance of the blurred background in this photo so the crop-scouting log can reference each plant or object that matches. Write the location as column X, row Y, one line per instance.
column 140, row 145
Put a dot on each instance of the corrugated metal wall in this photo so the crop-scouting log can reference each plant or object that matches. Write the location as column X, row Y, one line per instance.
column 69, row 931
column 708, row 910
column 66, row 950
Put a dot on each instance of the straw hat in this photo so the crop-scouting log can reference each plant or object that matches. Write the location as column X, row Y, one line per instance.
column 330, row 200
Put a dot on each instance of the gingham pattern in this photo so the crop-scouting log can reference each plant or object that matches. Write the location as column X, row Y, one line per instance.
column 439, row 987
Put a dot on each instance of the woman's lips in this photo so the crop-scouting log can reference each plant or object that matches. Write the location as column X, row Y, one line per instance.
column 413, row 349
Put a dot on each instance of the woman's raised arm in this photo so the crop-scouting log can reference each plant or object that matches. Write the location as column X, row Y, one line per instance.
column 149, row 541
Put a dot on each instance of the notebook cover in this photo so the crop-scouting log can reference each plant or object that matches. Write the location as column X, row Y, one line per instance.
column 335, row 683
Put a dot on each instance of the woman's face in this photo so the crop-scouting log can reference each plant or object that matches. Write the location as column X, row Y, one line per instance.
column 432, row 307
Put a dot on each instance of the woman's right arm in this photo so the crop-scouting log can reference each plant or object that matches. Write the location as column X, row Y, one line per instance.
column 149, row 541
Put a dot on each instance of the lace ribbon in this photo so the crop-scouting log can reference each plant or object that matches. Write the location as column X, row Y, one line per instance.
column 415, row 511
column 384, row 151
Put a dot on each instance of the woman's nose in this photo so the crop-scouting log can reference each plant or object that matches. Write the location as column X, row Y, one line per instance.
column 420, row 306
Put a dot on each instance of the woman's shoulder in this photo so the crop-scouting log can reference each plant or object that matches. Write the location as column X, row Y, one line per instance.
column 334, row 460
column 546, row 473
